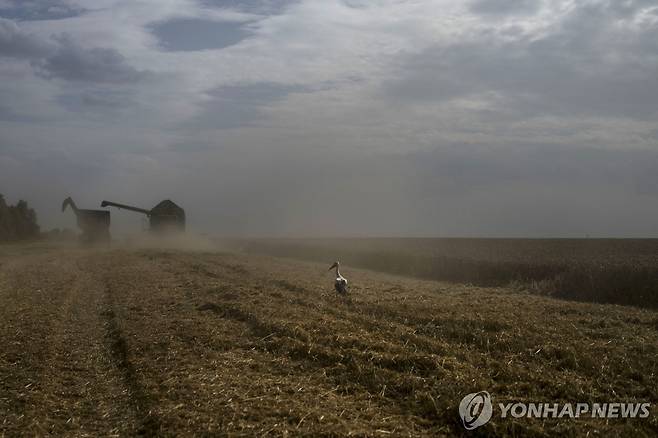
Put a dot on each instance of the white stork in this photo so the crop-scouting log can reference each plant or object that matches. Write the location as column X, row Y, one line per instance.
column 341, row 282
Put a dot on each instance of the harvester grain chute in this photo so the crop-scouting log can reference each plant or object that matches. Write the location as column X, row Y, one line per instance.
column 165, row 217
column 95, row 224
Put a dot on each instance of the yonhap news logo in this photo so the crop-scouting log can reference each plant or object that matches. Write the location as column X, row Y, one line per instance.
column 476, row 409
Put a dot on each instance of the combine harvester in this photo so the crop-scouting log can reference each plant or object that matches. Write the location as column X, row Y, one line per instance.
column 95, row 224
column 164, row 218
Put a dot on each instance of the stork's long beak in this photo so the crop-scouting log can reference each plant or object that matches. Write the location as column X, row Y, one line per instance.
column 332, row 267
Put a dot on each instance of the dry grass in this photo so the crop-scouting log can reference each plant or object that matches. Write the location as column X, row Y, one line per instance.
column 618, row 271
column 170, row 342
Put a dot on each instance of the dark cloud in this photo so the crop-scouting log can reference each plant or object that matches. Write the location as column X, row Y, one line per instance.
column 589, row 65
column 630, row 8
column 63, row 58
column 504, row 7
column 30, row 10
column 96, row 100
column 72, row 62
column 255, row 94
column 267, row 7
column 240, row 105
column 8, row 114
column 16, row 43
column 189, row 34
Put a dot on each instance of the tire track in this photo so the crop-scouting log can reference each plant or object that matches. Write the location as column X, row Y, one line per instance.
column 68, row 385
column 141, row 403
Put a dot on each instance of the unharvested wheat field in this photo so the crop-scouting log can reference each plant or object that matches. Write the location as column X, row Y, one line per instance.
column 616, row 271
column 165, row 341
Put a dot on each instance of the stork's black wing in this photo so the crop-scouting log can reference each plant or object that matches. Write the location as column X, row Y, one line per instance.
column 341, row 285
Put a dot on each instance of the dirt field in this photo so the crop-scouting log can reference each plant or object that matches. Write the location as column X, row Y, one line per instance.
column 151, row 341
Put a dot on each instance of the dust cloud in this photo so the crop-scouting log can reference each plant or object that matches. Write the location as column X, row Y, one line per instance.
column 181, row 242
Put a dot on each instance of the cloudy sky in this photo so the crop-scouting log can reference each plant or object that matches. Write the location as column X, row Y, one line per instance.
column 337, row 117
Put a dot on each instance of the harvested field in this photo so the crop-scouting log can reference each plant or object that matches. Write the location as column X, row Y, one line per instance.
column 170, row 342
column 618, row 271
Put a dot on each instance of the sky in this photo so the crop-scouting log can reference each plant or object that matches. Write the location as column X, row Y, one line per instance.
column 492, row 118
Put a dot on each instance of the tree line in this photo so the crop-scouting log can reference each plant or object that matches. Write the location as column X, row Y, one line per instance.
column 17, row 222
